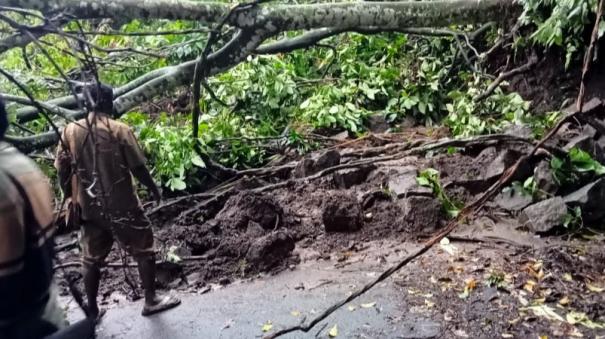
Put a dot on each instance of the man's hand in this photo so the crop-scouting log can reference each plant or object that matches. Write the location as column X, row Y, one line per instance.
column 157, row 195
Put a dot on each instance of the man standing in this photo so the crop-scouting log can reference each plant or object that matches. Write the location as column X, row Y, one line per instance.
column 96, row 173
column 28, row 298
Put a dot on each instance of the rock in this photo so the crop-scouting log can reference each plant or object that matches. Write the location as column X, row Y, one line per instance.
column 545, row 182
column 304, row 168
column 421, row 214
column 327, row 159
column 544, row 216
column 309, row 166
column 587, row 144
column 513, row 200
column 590, row 199
column 342, row 136
column 269, row 250
column 342, row 214
column 503, row 161
column 419, row 328
column 350, row 177
column 590, row 131
column 377, row 123
column 408, row 122
column 167, row 272
column 403, row 183
column 593, row 106
column 520, row 131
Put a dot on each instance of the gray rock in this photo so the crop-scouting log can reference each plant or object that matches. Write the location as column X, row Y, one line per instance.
column 377, row 123
column 327, row 159
column 421, row 214
column 545, row 182
column 593, row 106
column 520, row 131
column 269, row 250
column 503, row 161
column 342, row 214
column 311, row 165
column 544, row 216
column 419, row 328
column 590, row 131
column 304, row 168
column 587, row 144
column 350, row 177
column 513, row 200
column 403, row 183
column 590, row 199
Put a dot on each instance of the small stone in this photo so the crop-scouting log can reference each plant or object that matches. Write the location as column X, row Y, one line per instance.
column 368, row 216
column 304, row 168
column 590, row 199
column 544, row 216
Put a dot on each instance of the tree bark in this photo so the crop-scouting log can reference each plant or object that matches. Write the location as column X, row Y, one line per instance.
column 256, row 24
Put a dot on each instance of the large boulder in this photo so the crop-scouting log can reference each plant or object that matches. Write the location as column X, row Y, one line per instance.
column 590, row 199
column 342, row 214
column 544, row 216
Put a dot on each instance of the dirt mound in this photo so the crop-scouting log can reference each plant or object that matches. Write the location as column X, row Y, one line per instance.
column 247, row 207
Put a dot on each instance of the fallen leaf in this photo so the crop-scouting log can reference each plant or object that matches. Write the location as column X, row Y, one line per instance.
column 545, row 311
column 460, row 333
column 543, row 337
column 529, row 286
column 567, row 277
column 507, row 335
column 574, row 318
column 471, row 284
column 446, row 246
column 333, row 332
column 295, row 313
column 593, row 288
column 368, row 305
column 564, row 301
column 429, row 303
column 267, row 326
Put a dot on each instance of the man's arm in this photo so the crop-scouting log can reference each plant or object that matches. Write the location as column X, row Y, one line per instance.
column 144, row 177
column 136, row 163
column 64, row 169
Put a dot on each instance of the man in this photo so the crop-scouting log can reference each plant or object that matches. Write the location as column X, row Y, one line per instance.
column 28, row 298
column 96, row 173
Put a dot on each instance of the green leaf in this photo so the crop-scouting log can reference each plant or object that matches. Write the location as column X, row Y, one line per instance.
column 197, row 161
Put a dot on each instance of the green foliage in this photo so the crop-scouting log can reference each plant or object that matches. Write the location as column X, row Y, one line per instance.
column 560, row 23
column 430, row 178
column 468, row 117
column 574, row 166
column 573, row 219
column 169, row 147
